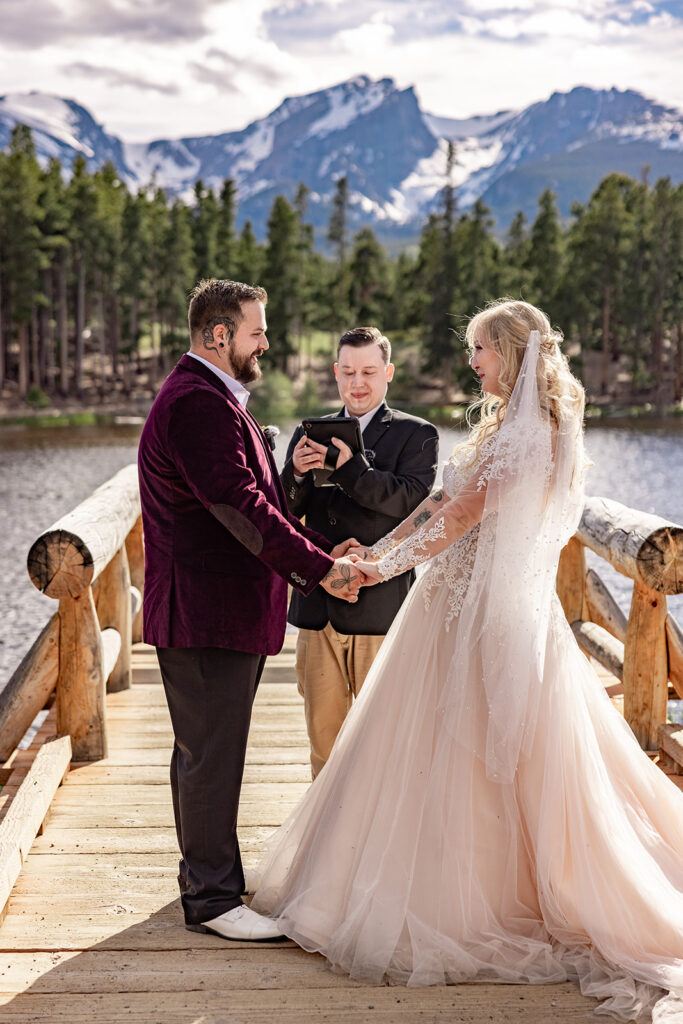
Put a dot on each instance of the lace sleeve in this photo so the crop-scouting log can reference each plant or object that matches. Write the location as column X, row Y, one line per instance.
column 413, row 522
column 455, row 518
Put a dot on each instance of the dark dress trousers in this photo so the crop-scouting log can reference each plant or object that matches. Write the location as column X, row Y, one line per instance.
column 372, row 493
column 220, row 548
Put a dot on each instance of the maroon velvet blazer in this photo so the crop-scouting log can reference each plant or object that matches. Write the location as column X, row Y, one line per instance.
column 220, row 543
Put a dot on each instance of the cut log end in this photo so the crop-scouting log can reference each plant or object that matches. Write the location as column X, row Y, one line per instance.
column 661, row 560
column 60, row 565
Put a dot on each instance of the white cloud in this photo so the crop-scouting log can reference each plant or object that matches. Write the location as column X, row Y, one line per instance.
column 232, row 61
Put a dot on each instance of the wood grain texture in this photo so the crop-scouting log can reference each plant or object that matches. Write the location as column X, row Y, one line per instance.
column 571, row 573
column 114, row 610
column 66, row 559
column 28, row 808
column 639, row 545
column 29, row 688
column 602, row 607
column 597, row 643
column 135, row 549
column 674, row 650
column 81, row 712
column 94, row 931
column 645, row 665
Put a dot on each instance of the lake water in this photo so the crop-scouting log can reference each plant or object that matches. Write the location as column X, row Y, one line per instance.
column 45, row 473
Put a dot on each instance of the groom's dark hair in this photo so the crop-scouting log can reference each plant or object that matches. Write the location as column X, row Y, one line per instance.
column 217, row 301
column 360, row 336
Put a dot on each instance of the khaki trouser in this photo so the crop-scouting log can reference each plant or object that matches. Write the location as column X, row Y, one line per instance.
column 331, row 668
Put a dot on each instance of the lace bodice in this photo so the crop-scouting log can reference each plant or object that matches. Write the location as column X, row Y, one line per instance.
column 450, row 566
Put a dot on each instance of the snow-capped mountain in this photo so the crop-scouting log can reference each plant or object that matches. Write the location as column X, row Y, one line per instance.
column 393, row 153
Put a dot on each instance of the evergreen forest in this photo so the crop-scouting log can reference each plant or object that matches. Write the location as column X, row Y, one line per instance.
column 94, row 282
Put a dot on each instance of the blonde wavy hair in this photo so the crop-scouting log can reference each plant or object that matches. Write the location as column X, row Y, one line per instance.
column 504, row 326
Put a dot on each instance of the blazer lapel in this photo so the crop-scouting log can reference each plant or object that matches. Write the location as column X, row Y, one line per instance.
column 377, row 425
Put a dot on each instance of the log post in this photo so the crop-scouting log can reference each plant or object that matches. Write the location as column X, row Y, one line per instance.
column 674, row 646
column 571, row 573
column 602, row 607
column 81, row 709
column 29, row 688
column 645, row 665
column 135, row 550
column 113, row 606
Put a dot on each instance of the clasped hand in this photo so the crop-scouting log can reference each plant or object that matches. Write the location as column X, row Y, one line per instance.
column 349, row 573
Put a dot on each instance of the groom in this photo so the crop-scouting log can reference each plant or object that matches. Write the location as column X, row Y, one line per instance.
column 220, row 550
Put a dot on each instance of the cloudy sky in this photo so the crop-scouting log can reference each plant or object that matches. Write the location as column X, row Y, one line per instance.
column 165, row 68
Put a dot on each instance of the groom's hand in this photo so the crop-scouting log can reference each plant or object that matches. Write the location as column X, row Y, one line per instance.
column 343, row 580
column 342, row 549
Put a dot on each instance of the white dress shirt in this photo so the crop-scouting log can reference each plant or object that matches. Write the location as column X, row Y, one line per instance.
column 365, row 418
column 240, row 392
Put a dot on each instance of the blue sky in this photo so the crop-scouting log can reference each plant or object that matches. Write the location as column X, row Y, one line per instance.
column 165, row 68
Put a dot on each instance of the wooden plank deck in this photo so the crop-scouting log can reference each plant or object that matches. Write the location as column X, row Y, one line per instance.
column 94, row 929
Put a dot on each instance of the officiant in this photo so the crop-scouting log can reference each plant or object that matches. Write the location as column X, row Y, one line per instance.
column 369, row 492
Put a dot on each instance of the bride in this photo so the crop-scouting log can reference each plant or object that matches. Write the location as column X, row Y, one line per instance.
column 486, row 814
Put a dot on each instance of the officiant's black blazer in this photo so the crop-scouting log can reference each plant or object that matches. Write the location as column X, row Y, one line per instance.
column 372, row 493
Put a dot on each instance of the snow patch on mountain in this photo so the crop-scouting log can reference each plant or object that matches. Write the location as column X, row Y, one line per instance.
column 170, row 163
column 49, row 115
column 346, row 105
column 466, row 127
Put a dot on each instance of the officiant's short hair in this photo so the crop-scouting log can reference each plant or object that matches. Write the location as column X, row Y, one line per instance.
column 215, row 299
column 366, row 336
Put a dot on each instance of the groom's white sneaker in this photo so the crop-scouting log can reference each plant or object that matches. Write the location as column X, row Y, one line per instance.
column 240, row 923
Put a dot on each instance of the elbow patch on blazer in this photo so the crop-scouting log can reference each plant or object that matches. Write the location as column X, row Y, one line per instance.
column 240, row 527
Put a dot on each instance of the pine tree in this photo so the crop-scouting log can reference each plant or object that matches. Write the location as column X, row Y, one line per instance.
column 369, row 280
column 22, row 259
column 55, row 245
column 280, row 278
column 337, row 235
column 205, row 231
column 135, row 274
column 249, row 256
column 515, row 275
column 225, row 230
column 82, row 206
column 480, row 271
column 546, row 247
column 111, row 201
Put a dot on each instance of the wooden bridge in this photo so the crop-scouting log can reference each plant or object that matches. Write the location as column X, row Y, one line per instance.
column 92, row 926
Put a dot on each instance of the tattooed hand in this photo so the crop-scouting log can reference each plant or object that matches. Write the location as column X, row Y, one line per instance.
column 343, row 580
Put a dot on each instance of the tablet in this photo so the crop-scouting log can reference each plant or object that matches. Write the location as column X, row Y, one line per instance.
column 322, row 430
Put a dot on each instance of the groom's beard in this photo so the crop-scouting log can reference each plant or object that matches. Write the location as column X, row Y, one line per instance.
column 245, row 368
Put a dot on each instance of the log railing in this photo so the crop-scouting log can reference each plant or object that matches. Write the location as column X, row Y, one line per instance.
column 645, row 650
column 92, row 562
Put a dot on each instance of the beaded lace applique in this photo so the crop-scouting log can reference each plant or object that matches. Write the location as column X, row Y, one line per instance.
column 451, row 567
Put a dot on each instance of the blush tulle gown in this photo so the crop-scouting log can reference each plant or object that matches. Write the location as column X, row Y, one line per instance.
column 411, row 861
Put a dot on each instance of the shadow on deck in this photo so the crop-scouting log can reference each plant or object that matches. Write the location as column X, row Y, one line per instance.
column 94, row 928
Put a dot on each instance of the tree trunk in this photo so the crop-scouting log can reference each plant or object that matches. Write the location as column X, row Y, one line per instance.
column 114, row 334
column 80, row 326
column 45, row 333
column 35, row 348
column 3, row 347
column 23, row 359
column 101, row 338
column 678, row 362
column 606, row 311
column 62, row 327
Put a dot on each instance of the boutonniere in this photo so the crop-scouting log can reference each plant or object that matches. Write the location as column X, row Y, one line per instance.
column 271, row 433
